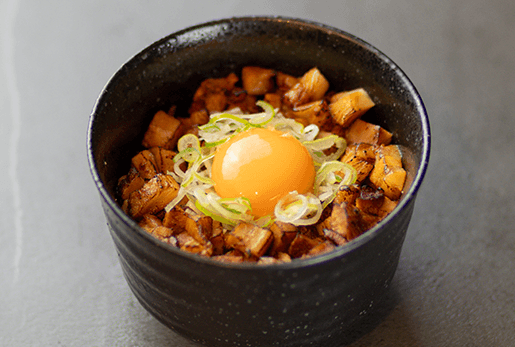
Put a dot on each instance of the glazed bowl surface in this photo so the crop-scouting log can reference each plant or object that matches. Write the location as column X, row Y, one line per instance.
column 316, row 301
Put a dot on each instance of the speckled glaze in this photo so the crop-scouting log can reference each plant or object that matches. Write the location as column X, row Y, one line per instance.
column 318, row 301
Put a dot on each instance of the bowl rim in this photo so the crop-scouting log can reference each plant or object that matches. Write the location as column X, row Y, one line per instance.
column 339, row 251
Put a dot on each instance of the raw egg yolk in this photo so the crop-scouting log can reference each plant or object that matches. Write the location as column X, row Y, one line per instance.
column 262, row 165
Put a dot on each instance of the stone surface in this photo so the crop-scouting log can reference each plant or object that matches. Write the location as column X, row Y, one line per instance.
column 61, row 283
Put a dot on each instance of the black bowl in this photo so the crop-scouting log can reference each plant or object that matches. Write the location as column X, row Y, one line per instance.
column 313, row 301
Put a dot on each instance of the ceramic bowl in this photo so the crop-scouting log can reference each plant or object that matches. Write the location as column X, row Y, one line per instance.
column 315, row 301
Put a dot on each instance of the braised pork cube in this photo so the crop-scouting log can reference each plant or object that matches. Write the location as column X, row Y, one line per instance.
column 217, row 238
column 145, row 163
column 233, row 256
column 274, row 99
column 198, row 118
column 249, row 239
column 284, row 81
column 176, row 219
column 152, row 197
column 163, row 159
column 387, row 207
column 347, row 194
column 163, row 131
column 321, row 248
column 345, row 219
column 283, row 257
column 283, row 233
column 162, row 232
column 190, row 124
column 346, row 107
column 302, row 244
column 257, row 80
column 362, row 158
column 337, row 238
column 388, row 173
column 239, row 98
column 312, row 86
column 315, row 112
column 212, row 94
column 280, row 257
column 149, row 222
column 153, row 225
column 200, row 227
column 188, row 243
column 370, row 200
column 129, row 183
column 364, row 132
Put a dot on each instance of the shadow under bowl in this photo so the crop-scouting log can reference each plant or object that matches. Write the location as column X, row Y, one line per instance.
column 315, row 301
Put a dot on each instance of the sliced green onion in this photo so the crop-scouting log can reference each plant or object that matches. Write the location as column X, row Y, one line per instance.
column 213, row 215
column 264, row 222
column 291, row 207
column 209, row 203
column 316, row 148
column 314, row 212
column 203, row 179
column 209, row 127
column 223, row 116
column 220, row 208
column 239, row 205
column 350, row 175
column 188, row 141
column 215, row 143
column 189, row 154
column 321, row 144
column 330, row 177
column 224, row 132
column 177, row 168
column 180, row 195
column 288, row 125
column 298, row 209
column 310, row 132
column 323, row 174
column 261, row 119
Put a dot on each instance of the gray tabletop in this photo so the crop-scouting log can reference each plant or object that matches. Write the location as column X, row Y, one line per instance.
column 60, row 281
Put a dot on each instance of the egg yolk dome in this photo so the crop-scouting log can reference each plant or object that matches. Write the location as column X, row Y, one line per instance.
column 262, row 165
